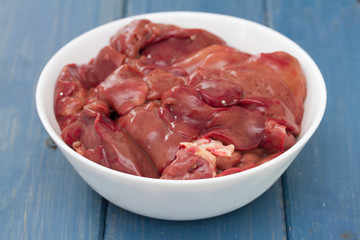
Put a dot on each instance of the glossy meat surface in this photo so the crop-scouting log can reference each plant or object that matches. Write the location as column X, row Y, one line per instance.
column 166, row 102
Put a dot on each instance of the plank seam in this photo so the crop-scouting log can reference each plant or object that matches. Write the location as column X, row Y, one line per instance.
column 267, row 14
column 103, row 217
column 124, row 9
column 104, row 202
column 269, row 23
column 283, row 185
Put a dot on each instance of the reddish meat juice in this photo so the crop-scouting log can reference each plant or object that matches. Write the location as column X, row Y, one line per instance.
column 166, row 102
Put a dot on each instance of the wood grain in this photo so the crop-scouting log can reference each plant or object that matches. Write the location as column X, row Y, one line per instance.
column 252, row 10
column 41, row 196
column 322, row 189
column 261, row 219
column 266, row 213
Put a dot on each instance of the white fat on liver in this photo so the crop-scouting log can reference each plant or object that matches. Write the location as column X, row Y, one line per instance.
column 208, row 149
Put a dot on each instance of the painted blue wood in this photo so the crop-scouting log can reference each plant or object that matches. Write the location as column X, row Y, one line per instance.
column 262, row 219
column 252, row 10
column 41, row 196
column 322, row 187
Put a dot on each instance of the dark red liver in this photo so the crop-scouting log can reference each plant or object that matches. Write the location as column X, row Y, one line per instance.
column 155, row 86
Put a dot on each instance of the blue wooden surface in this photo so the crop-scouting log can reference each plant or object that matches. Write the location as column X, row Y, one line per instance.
column 42, row 197
column 322, row 188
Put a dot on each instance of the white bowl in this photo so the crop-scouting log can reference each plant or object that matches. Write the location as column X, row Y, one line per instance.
column 183, row 199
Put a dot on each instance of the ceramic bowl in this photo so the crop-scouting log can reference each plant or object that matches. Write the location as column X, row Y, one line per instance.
column 183, row 199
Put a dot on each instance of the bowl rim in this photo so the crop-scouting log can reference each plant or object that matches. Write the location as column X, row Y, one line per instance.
column 40, row 88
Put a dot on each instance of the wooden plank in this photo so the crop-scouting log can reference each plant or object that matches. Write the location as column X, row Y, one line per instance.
column 252, row 10
column 261, row 219
column 41, row 196
column 322, row 187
